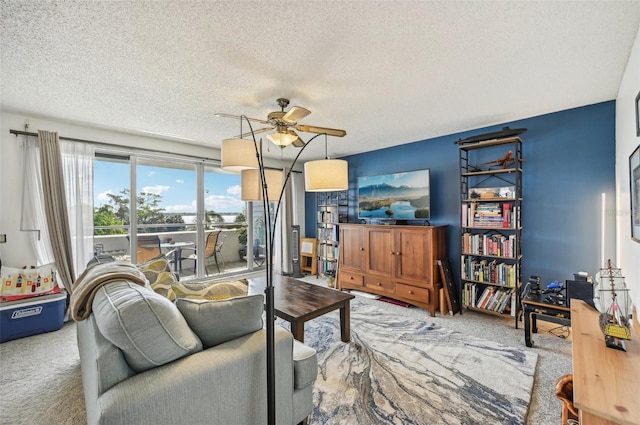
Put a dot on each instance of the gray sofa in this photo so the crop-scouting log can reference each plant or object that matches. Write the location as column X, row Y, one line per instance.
column 141, row 366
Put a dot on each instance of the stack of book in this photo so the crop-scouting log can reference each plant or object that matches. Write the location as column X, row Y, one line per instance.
column 488, row 244
column 488, row 271
column 326, row 251
column 327, row 217
column 489, row 215
column 328, row 233
column 491, row 298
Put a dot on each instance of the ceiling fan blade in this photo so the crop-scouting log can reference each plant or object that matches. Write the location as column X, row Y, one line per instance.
column 237, row 117
column 298, row 142
column 295, row 114
column 260, row 130
column 321, row 130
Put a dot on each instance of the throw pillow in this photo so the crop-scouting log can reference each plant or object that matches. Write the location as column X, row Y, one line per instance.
column 161, row 278
column 216, row 322
column 211, row 291
column 22, row 283
column 146, row 326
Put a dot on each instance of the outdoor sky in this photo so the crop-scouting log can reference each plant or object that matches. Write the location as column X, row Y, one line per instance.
column 176, row 186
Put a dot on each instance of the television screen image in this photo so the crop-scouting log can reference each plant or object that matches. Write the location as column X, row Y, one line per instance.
column 397, row 196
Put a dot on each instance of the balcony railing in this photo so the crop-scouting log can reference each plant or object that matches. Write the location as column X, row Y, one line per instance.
column 232, row 252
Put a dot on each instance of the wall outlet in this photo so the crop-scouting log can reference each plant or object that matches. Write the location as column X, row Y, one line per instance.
column 3, row 238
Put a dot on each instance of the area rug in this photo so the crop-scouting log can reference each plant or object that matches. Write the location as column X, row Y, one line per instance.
column 403, row 371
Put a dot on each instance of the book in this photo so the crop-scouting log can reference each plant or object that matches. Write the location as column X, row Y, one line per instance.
column 506, row 215
column 489, row 293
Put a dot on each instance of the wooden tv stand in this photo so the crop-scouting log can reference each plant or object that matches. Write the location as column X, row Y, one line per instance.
column 398, row 262
column 606, row 382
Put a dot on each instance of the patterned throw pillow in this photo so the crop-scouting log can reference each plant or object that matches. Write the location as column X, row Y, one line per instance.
column 22, row 283
column 161, row 278
column 211, row 291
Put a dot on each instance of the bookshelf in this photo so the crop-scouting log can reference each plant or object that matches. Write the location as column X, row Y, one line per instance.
column 491, row 225
column 332, row 208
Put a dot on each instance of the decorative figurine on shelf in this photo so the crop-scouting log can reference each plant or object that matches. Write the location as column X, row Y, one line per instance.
column 504, row 162
column 614, row 306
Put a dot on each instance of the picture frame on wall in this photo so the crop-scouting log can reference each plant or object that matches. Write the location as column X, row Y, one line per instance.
column 634, row 182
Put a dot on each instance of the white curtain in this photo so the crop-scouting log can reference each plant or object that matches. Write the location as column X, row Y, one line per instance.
column 77, row 160
column 77, row 163
column 33, row 218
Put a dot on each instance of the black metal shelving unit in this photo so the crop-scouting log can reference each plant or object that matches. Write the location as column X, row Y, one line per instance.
column 491, row 225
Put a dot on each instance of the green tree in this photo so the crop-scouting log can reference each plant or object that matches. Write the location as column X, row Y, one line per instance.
column 213, row 217
column 120, row 205
column 149, row 212
column 106, row 216
column 117, row 212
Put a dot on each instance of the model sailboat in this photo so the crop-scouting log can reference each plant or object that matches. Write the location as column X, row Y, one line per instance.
column 614, row 306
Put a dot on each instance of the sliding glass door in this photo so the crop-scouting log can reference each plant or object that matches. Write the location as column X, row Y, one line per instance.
column 177, row 203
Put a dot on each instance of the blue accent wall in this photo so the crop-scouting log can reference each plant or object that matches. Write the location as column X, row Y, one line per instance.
column 569, row 162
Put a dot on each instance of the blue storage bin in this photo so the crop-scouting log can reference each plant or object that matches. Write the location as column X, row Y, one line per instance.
column 31, row 316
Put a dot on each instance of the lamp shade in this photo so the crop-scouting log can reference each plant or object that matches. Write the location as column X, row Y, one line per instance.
column 282, row 139
column 252, row 188
column 238, row 155
column 326, row 175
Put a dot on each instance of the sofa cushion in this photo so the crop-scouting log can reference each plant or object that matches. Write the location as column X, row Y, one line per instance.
column 211, row 291
column 158, row 273
column 305, row 365
column 146, row 326
column 216, row 322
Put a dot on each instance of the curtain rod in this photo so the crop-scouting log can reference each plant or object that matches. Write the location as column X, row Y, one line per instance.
column 107, row 145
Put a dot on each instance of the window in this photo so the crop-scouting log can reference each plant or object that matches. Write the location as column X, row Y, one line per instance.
column 178, row 199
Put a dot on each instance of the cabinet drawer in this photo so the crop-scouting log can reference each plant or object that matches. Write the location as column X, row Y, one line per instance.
column 350, row 280
column 380, row 285
column 412, row 293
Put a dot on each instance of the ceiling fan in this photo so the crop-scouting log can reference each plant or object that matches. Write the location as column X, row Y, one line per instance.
column 284, row 124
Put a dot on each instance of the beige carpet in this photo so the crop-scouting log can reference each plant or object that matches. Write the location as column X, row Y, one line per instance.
column 40, row 375
column 40, row 380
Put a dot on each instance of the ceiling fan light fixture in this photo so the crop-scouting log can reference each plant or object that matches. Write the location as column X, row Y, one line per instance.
column 238, row 155
column 326, row 175
column 282, row 139
column 252, row 189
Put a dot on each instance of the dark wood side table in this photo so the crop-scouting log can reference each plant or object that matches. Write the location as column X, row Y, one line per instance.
column 297, row 301
column 535, row 308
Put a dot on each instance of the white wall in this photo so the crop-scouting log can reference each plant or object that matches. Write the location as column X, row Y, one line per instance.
column 626, row 142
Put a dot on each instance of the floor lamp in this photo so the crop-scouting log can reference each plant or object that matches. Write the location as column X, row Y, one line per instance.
column 267, row 185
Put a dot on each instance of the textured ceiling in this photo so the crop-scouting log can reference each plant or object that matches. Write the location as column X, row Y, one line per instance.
column 387, row 72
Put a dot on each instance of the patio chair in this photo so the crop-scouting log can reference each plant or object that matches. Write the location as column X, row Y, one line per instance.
column 149, row 247
column 211, row 249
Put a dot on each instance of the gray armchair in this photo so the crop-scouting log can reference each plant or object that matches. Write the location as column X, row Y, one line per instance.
column 146, row 360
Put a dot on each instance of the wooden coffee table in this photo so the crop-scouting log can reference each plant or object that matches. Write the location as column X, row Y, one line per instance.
column 297, row 301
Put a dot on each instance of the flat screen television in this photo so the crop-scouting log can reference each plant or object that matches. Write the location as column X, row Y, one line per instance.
column 398, row 196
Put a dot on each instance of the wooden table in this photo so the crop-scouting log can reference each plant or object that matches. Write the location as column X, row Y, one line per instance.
column 297, row 301
column 535, row 308
column 606, row 382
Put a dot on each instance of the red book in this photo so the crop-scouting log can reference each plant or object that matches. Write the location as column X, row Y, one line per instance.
column 506, row 215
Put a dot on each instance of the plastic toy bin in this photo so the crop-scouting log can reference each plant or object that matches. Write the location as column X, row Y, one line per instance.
column 31, row 316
